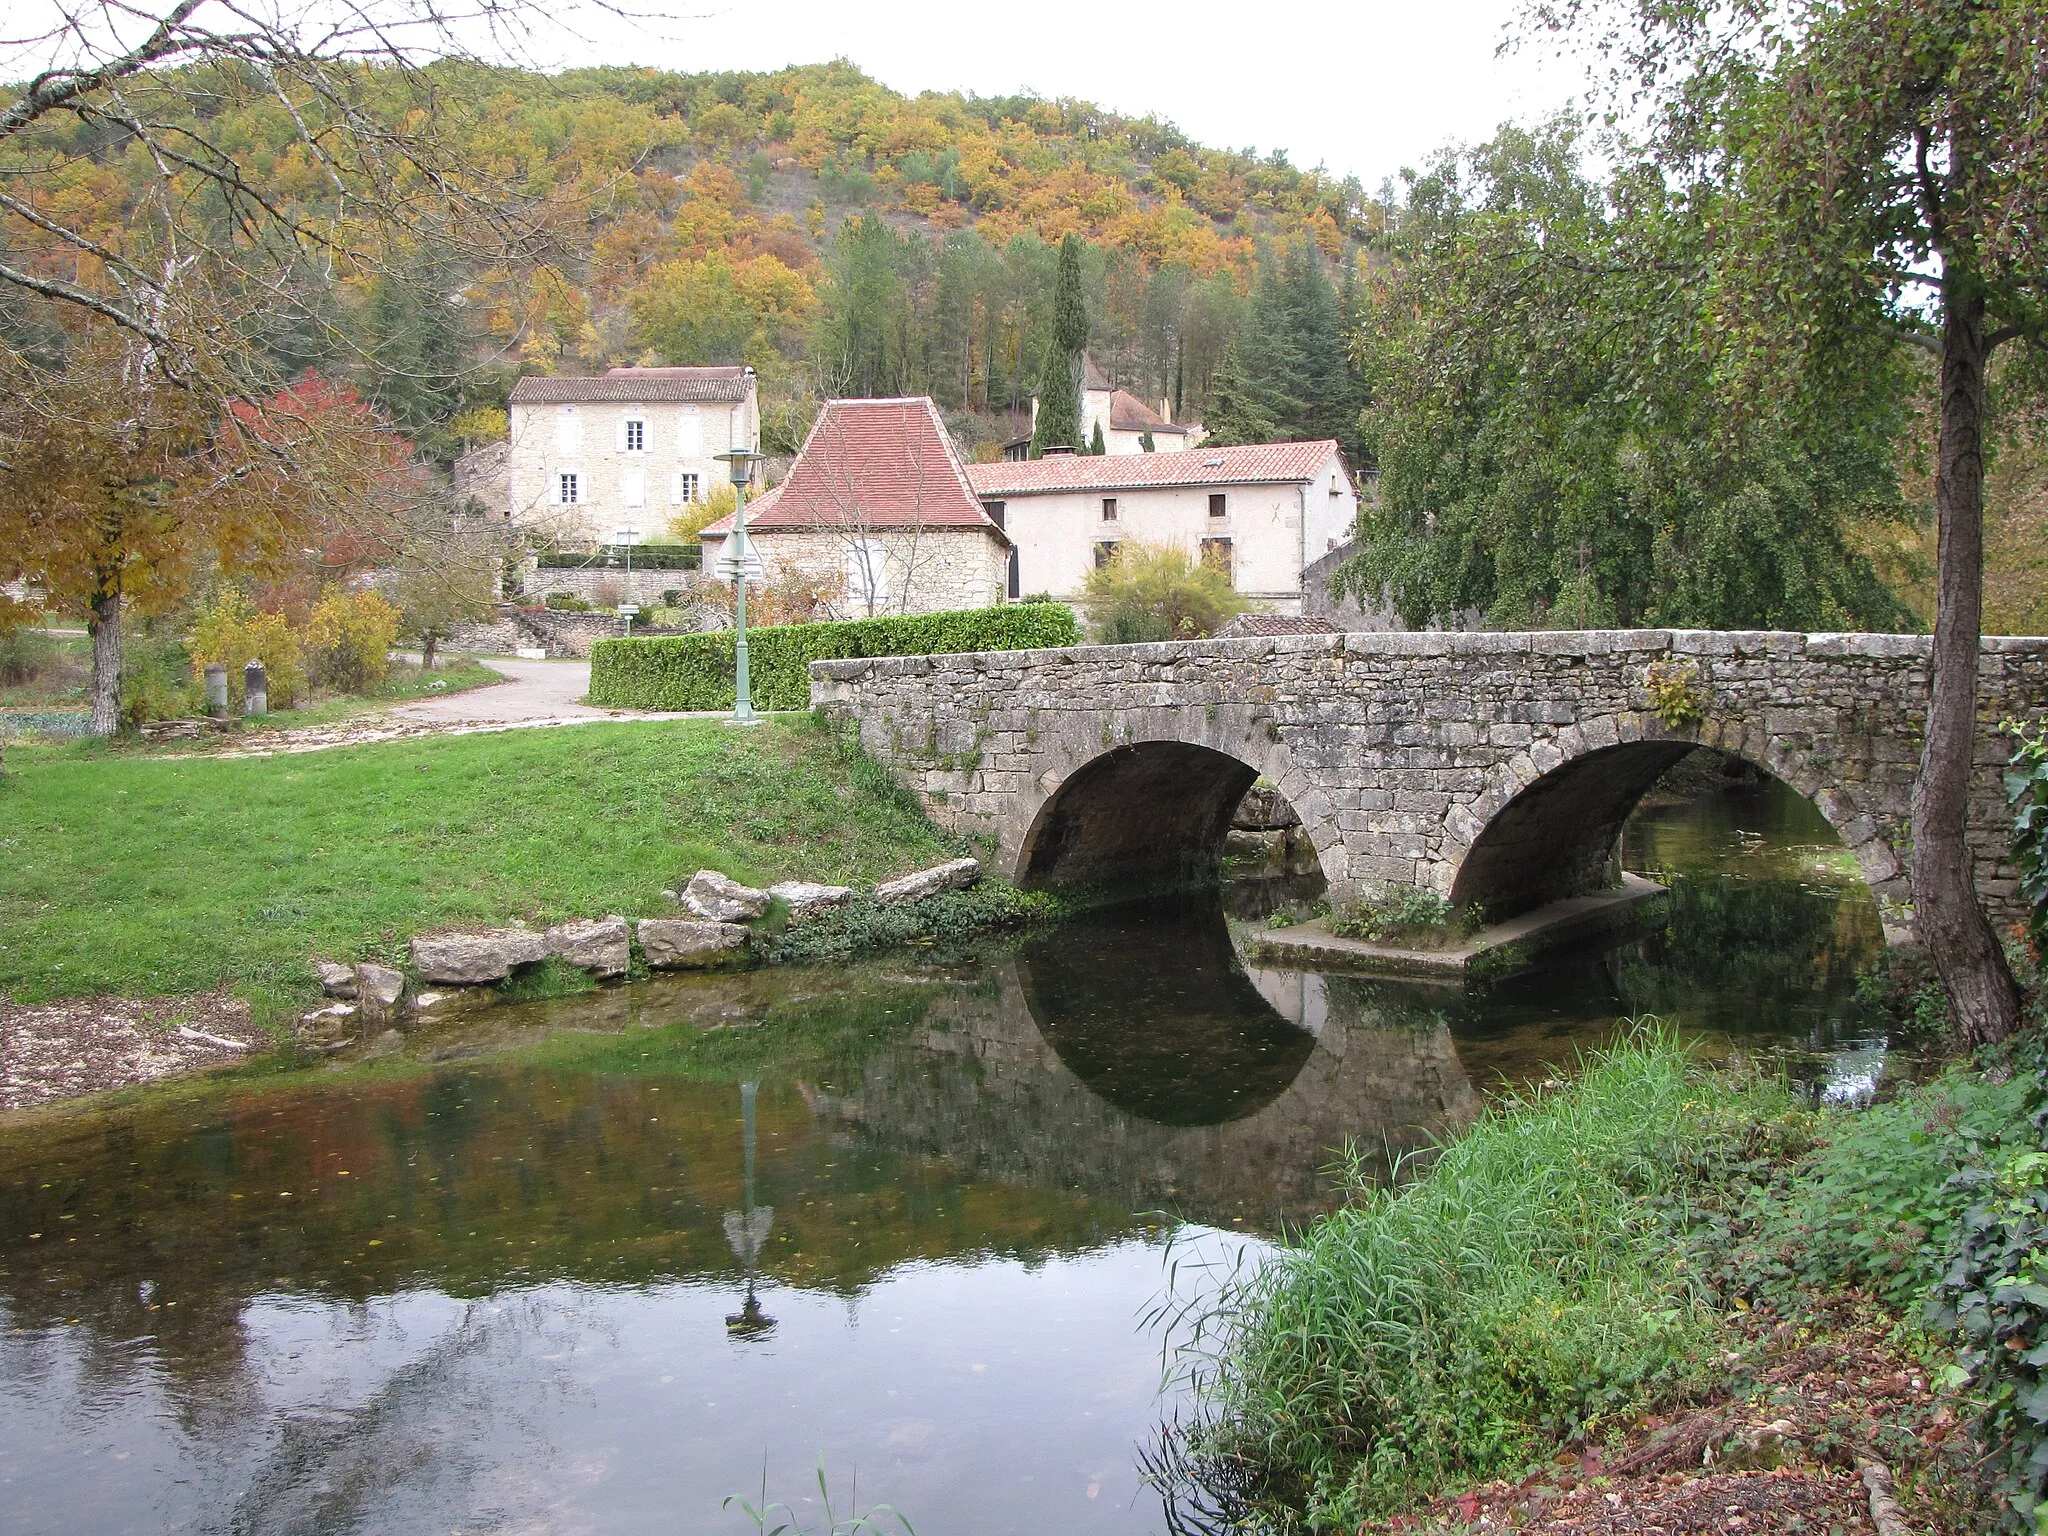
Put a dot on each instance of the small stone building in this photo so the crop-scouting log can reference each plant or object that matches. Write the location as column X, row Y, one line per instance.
column 879, row 506
column 629, row 448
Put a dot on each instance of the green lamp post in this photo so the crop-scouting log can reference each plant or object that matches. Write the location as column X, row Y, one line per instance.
column 740, row 461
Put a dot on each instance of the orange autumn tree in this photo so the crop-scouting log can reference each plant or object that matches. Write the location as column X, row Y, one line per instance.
column 117, row 486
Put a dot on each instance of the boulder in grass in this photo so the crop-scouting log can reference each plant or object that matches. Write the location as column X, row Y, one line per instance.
column 807, row 900
column 335, row 980
column 680, row 944
column 955, row 875
column 601, row 946
column 719, row 899
column 476, row 959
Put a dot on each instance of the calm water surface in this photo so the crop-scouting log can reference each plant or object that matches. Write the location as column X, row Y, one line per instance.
column 594, row 1266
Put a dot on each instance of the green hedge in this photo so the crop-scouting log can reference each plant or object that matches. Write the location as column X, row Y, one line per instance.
column 695, row 671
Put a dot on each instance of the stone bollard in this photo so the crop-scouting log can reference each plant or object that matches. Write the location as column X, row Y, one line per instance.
column 216, row 689
column 255, row 690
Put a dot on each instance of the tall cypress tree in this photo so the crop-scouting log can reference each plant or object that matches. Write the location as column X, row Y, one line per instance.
column 1059, row 382
column 1096, row 445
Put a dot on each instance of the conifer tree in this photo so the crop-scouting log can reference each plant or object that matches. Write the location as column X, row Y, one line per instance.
column 1239, row 411
column 1059, row 383
column 1096, row 445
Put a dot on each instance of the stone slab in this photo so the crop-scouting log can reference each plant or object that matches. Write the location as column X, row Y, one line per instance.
column 1313, row 946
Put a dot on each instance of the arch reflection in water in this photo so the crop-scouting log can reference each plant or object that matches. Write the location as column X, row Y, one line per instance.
column 1148, row 1006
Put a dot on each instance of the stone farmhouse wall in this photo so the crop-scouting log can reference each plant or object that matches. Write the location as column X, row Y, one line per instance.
column 1488, row 767
column 585, row 438
column 930, row 570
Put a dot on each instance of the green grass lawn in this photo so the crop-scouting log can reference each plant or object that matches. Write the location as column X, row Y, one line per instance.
column 150, row 875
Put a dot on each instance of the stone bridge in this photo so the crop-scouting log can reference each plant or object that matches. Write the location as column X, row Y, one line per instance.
column 1496, row 768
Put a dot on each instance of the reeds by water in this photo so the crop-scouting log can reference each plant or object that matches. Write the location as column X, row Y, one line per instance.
column 1521, row 1291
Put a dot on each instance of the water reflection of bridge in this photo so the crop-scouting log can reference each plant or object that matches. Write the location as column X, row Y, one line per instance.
column 1134, row 1061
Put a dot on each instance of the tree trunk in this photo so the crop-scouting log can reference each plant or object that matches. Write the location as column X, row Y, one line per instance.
column 1947, row 917
column 428, row 646
column 104, row 622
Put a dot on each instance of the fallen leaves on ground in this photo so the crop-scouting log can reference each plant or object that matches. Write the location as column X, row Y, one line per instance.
column 1775, row 1449
column 61, row 1050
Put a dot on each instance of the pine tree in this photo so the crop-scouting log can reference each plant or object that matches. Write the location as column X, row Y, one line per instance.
column 1096, row 445
column 1238, row 410
column 1058, row 424
column 1059, row 382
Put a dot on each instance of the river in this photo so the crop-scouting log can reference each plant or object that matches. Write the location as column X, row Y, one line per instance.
column 596, row 1265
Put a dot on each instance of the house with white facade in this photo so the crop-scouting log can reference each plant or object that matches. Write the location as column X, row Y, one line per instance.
column 878, row 507
column 628, row 448
column 1264, row 512
column 1127, row 422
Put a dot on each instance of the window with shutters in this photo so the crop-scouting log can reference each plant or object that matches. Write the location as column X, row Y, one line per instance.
column 633, row 486
column 1016, row 582
column 1104, row 553
column 690, row 434
column 634, row 437
column 1109, row 509
column 568, row 431
column 685, row 488
column 995, row 511
column 1217, row 553
column 566, row 490
column 1218, row 506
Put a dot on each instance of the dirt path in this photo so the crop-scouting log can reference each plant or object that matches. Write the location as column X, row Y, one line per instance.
column 532, row 691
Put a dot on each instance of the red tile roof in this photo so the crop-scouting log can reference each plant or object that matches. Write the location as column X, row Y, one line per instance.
column 1253, row 464
column 1127, row 413
column 1254, row 624
column 871, row 464
column 632, row 385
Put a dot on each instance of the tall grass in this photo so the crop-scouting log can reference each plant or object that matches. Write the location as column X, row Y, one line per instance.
column 1518, row 1293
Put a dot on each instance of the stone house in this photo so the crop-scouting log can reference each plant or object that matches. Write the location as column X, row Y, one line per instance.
column 879, row 507
column 628, row 448
column 1264, row 512
column 1125, row 420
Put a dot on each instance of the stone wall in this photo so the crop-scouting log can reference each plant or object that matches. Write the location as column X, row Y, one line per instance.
column 645, row 587
column 1490, row 767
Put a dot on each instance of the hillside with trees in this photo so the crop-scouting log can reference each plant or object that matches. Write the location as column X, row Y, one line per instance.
column 837, row 235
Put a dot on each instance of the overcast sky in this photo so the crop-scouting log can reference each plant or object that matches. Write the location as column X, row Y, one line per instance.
column 1362, row 86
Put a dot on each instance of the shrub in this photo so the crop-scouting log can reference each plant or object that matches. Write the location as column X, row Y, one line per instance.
column 233, row 633
column 566, row 602
column 157, row 680
column 607, row 594
column 1157, row 592
column 2026, row 787
column 790, row 595
column 349, row 638
column 718, row 502
column 695, row 671
column 1405, row 912
column 26, row 655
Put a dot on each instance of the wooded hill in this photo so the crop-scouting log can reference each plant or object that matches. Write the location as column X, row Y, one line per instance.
column 837, row 235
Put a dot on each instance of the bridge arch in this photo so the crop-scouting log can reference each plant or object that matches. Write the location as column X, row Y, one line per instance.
column 1156, row 808
column 1544, row 836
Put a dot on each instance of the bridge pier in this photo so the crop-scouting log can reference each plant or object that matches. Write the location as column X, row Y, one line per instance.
column 1495, row 768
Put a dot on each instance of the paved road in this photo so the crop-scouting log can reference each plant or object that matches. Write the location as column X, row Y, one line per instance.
column 533, row 690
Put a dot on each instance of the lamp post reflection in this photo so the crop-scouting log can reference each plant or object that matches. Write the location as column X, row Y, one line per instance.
column 747, row 1229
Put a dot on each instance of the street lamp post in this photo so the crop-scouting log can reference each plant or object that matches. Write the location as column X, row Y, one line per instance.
column 629, row 609
column 740, row 462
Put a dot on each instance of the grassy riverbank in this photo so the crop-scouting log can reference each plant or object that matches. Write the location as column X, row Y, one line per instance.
column 147, row 876
column 1637, row 1240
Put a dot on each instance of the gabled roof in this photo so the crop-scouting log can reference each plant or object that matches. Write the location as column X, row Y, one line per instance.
column 1253, row 464
column 871, row 464
column 633, row 385
column 1127, row 413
